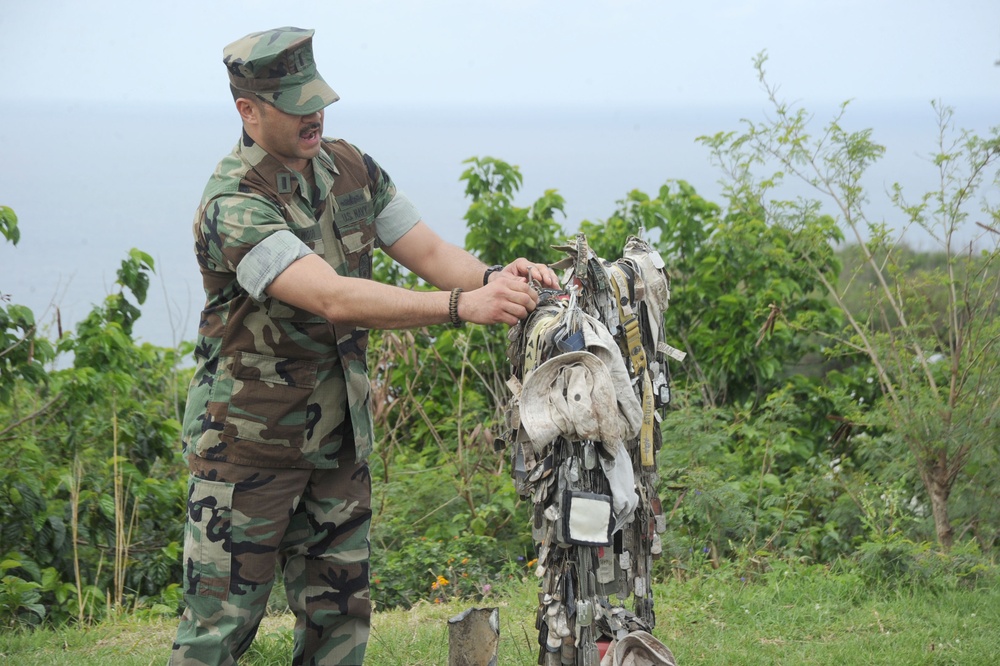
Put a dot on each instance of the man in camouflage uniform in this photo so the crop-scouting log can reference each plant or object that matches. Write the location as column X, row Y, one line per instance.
column 278, row 426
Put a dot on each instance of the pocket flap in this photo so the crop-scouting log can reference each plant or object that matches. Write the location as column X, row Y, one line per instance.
column 274, row 370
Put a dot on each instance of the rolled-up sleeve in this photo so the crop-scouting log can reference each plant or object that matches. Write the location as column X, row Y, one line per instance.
column 267, row 260
column 398, row 217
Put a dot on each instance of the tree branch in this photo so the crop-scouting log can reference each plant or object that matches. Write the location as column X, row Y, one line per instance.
column 31, row 417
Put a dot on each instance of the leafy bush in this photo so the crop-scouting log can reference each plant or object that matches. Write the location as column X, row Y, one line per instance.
column 900, row 563
column 466, row 566
column 89, row 486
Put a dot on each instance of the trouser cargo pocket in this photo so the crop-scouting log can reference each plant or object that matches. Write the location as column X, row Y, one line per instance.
column 208, row 538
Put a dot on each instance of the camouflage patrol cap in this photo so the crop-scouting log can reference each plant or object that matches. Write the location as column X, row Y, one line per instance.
column 278, row 66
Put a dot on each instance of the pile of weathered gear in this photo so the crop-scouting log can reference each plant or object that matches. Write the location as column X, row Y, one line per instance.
column 589, row 379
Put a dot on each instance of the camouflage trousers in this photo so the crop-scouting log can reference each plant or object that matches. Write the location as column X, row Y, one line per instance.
column 242, row 522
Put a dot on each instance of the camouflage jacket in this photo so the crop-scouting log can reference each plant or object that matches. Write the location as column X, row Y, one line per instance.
column 276, row 386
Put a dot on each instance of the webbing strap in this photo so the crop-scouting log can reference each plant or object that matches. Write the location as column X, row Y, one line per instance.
column 536, row 339
column 646, row 453
column 629, row 320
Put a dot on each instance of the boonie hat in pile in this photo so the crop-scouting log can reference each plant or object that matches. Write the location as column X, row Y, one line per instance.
column 638, row 648
column 572, row 395
column 278, row 66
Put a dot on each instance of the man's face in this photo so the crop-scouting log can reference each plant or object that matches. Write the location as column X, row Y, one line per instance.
column 293, row 140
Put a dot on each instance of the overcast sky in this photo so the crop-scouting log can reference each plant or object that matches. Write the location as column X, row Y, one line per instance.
column 660, row 72
column 517, row 53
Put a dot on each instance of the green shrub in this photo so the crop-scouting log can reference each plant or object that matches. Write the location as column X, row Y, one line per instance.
column 900, row 563
column 423, row 569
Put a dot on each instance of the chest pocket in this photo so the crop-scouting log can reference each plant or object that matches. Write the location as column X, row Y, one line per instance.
column 354, row 225
column 312, row 236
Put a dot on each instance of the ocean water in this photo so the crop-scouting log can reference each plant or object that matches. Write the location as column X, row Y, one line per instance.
column 90, row 183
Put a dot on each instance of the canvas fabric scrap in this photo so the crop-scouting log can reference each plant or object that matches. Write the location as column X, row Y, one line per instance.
column 589, row 379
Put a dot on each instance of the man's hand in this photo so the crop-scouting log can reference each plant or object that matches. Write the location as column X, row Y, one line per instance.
column 504, row 301
column 523, row 270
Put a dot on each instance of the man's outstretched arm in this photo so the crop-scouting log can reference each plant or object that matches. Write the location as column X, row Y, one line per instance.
column 312, row 284
column 447, row 266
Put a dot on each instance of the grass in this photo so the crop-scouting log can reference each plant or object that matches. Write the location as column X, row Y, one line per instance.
column 795, row 616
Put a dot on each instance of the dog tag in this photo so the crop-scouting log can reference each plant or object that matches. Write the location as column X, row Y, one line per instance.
column 589, row 455
column 568, row 654
column 590, row 656
column 573, row 473
column 656, row 548
column 584, row 612
column 605, row 566
column 625, row 560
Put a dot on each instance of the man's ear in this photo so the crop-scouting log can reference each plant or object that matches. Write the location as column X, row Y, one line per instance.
column 248, row 111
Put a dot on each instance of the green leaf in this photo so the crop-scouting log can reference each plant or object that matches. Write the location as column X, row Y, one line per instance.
column 9, row 564
column 8, row 225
